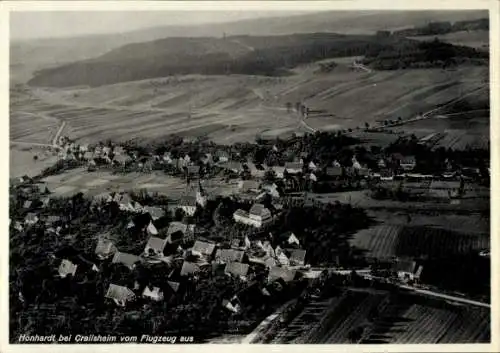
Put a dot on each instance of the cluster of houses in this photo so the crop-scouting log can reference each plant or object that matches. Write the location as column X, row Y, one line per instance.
column 243, row 259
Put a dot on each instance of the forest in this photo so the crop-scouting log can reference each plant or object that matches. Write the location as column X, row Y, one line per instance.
column 270, row 56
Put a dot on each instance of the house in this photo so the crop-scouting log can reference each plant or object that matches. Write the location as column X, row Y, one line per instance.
column 155, row 246
column 271, row 189
column 232, row 305
column 119, row 294
column 31, row 218
column 118, row 150
column 123, row 200
column 27, row 204
column 154, row 293
column 335, row 171
column 203, row 248
column 189, row 268
column 257, row 217
column 292, row 239
column 285, row 274
column 151, row 229
column 282, row 257
column 407, row 270
column 222, row 156
column 106, row 150
column 279, row 171
column 293, row 167
column 381, row 163
column 237, row 269
column 312, row 166
column 207, row 158
column 18, row 226
column 67, row 268
column 248, row 185
column 126, row 259
column 229, row 255
column 88, row 155
column 105, row 248
column 232, row 166
column 121, row 159
column 45, row 201
column 297, row 257
column 260, row 214
column 167, row 158
column 386, row 175
column 256, row 170
column 177, row 231
column 155, row 212
column 188, row 203
column 408, row 163
column 50, row 220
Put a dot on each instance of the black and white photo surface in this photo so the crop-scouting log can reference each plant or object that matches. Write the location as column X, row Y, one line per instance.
column 229, row 176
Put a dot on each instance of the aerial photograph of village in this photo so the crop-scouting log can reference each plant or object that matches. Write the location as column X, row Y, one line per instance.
column 301, row 177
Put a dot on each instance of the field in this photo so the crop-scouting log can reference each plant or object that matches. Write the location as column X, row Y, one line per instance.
column 385, row 241
column 386, row 319
column 97, row 183
column 458, row 130
column 237, row 108
column 21, row 161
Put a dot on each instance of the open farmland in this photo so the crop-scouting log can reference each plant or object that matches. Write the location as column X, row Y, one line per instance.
column 32, row 128
column 388, row 240
column 99, row 182
column 21, row 161
column 236, row 108
column 386, row 318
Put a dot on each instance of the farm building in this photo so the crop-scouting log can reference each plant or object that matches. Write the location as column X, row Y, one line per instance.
column 126, row 259
column 293, row 167
column 155, row 212
column 119, row 294
column 232, row 166
column 229, row 255
column 256, row 170
column 248, row 185
column 283, row 273
column 105, row 248
column 203, row 249
column 153, row 293
column 237, row 269
column 222, row 156
column 189, row 268
column 155, row 246
column 407, row 270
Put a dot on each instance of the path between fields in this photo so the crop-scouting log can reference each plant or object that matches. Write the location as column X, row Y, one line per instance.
column 434, row 294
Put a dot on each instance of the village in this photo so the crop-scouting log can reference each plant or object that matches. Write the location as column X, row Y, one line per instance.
column 163, row 250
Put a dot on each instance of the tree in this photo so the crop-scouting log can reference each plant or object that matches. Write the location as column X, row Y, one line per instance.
column 35, row 157
column 367, row 125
